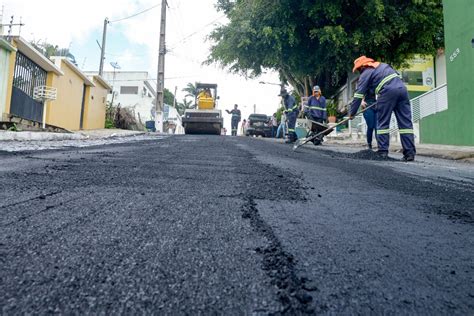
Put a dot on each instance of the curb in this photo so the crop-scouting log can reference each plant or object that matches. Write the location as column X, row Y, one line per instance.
column 38, row 136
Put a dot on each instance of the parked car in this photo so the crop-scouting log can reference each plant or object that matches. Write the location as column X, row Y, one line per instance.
column 259, row 125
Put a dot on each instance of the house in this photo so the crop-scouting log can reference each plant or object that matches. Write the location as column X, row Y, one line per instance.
column 28, row 69
column 133, row 90
column 80, row 102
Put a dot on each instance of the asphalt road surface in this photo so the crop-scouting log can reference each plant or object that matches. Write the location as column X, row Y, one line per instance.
column 223, row 225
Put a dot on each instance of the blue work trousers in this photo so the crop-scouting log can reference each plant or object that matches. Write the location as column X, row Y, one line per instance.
column 235, row 125
column 291, row 117
column 394, row 98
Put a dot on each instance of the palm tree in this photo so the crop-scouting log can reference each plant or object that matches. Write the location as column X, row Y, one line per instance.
column 191, row 91
column 183, row 106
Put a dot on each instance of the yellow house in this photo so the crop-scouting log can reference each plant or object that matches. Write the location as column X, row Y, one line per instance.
column 27, row 69
column 81, row 101
column 95, row 107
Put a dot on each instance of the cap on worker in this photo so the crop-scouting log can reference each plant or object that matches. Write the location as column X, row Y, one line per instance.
column 283, row 93
column 364, row 61
column 316, row 89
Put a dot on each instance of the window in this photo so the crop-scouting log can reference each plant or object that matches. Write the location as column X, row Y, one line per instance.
column 413, row 78
column 128, row 90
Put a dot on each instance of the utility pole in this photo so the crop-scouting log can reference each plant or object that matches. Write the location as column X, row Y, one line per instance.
column 254, row 109
column 102, row 48
column 175, row 91
column 160, row 86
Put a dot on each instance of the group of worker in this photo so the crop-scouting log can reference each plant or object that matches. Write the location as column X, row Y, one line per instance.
column 381, row 92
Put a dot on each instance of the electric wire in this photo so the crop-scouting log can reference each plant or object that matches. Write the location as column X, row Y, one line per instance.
column 136, row 14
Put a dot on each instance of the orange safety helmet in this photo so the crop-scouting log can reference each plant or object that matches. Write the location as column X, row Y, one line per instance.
column 364, row 61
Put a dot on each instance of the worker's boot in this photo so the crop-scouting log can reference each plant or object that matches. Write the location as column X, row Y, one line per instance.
column 408, row 158
column 382, row 154
column 291, row 138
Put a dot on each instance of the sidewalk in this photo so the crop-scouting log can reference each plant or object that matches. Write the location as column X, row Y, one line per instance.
column 80, row 135
column 465, row 153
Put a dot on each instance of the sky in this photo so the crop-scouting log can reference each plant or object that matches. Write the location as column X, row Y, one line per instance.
column 133, row 43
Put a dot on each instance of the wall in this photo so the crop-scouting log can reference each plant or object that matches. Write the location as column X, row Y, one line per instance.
column 5, row 54
column 440, row 67
column 94, row 113
column 455, row 126
column 11, row 70
column 140, row 103
column 65, row 111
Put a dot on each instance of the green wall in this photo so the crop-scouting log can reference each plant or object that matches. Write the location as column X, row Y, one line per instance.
column 455, row 126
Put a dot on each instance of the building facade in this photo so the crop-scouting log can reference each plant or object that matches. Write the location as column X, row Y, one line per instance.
column 133, row 90
column 455, row 125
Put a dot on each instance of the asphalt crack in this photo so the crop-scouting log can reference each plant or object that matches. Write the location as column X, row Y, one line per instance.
column 279, row 266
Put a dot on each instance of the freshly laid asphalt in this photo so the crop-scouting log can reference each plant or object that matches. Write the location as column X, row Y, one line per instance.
column 233, row 225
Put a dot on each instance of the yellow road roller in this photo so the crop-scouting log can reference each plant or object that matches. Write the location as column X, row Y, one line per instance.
column 205, row 118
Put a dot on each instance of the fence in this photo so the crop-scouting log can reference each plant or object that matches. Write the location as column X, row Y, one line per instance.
column 429, row 103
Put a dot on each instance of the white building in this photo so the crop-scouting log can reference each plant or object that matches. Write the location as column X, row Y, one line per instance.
column 134, row 90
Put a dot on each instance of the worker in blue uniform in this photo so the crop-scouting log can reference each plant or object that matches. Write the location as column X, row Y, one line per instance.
column 291, row 110
column 384, row 82
column 236, row 116
column 316, row 109
column 370, row 116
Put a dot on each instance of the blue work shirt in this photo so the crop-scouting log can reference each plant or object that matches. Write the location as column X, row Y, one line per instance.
column 317, row 107
column 290, row 104
column 371, row 82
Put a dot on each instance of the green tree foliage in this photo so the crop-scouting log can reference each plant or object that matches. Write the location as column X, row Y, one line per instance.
column 50, row 50
column 315, row 41
column 190, row 90
column 184, row 105
column 168, row 97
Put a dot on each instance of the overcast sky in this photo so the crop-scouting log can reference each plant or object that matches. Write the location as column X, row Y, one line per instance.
column 133, row 43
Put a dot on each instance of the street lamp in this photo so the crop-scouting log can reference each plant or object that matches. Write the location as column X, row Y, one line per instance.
column 273, row 84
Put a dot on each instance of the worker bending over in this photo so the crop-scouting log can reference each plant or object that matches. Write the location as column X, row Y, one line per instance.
column 291, row 110
column 316, row 109
column 236, row 115
column 383, row 81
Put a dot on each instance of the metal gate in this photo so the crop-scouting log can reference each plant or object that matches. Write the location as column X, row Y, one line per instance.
column 26, row 77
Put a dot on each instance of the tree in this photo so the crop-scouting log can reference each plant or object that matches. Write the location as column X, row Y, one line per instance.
column 50, row 50
column 184, row 105
column 191, row 90
column 314, row 42
column 168, row 97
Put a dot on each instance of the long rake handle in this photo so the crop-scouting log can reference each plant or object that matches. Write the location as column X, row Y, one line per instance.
column 331, row 128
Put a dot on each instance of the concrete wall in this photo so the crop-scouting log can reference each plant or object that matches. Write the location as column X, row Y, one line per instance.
column 94, row 113
column 455, row 126
column 65, row 111
column 6, row 52
column 440, row 66
column 11, row 70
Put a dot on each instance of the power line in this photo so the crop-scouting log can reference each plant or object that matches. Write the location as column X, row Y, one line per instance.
column 136, row 14
column 183, row 40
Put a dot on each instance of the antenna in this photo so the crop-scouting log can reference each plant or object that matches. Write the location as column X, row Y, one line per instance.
column 19, row 28
column 10, row 28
